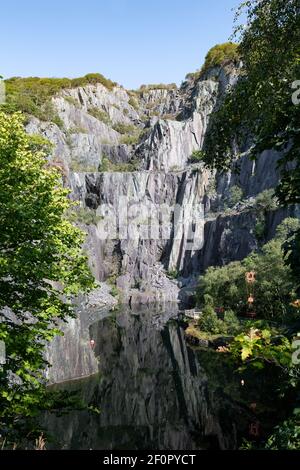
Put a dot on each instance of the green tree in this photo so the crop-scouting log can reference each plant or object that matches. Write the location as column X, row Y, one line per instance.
column 235, row 196
column 274, row 287
column 41, row 267
column 286, row 436
column 260, row 106
column 231, row 322
column 210, row 322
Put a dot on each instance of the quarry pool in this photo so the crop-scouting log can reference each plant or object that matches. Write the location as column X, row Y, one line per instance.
column 153, row 391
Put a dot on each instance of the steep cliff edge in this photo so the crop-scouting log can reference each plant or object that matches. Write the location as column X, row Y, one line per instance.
column 156, row 214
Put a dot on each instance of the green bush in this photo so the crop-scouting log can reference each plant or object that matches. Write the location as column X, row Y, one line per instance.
column 274, row 287
column 124, row 128
column 71, row 100
column 83, row 215
column 173, row 273
column 192, row 75
column 99, row 114
column 220, row 54
column 260, row 229
column 235, row 196
column 266, row 200
column 225, row 287
column 130, row 139
column 286, row 436
column 38, row 143
column 196, row 157
column 33, row 95
column 82, row 167
column 77, row 130
column 107, row 166
column 157, row 86
column 114, row 291
column 264, row 203
column 231, row 322
column 210, row 322
column 133, row 102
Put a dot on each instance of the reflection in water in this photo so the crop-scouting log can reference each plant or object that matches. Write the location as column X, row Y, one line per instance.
column 154, row 392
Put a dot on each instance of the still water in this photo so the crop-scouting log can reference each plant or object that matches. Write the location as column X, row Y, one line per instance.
column 154, row 391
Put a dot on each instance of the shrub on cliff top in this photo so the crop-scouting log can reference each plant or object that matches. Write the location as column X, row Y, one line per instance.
column 32, row 95
column 219, row 54
column 157, row 86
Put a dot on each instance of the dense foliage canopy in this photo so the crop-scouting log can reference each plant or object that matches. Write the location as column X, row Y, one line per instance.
column 273, row 290
column 261, row 109
column 41, row 266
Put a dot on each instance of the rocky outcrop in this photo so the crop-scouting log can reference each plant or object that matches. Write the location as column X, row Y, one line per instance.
column 171, row 143
column 165, row 102
column 154, row 131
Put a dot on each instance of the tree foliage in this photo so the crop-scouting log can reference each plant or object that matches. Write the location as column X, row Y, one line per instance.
column 41, row 266
column 256, row 347
column 286, row 436
column 221, row 53
column 33, row 95
column 260, row 107
column 261, row 102
column 273, row 290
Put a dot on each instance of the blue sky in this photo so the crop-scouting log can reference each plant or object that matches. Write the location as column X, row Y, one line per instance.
column 130, row 41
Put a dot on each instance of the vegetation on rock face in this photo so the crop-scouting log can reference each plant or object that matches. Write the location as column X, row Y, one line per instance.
column 126, row 167
column 274, row 289
column 261, row 104
column 157, row 86
column 264, row 203
column 196, row 157
column 235, row 196
column 33, row 95
column 100, row 115
column 173, row 273
column 124, row 128
column 220, row 54
column 134, row 103
column 217, row 56
column 83, row 215
column 41, row 266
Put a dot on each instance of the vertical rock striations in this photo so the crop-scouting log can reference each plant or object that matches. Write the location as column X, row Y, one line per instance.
column 130, row 153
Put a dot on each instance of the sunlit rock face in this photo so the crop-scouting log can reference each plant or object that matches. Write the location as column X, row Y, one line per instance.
column 158, row 219
column 177, row 223
column 71, row 355
column 153, row 392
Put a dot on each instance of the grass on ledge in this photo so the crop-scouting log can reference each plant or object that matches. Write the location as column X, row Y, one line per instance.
column 194, row 332
column 110, row 167
column 33, row 95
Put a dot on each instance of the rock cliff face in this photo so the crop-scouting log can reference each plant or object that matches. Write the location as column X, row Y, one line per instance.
column 127, row 158
column 157, row 220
